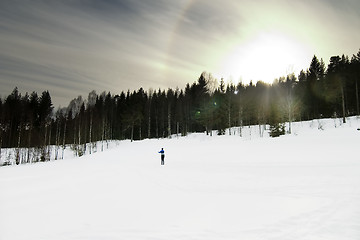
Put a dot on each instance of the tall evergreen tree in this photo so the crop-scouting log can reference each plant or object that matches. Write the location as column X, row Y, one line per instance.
column 336, row 83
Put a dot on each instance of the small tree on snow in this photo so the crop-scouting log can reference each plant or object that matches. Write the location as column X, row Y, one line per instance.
column 277, row 128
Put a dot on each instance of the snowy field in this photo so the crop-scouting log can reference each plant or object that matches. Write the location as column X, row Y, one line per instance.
column 300, row 186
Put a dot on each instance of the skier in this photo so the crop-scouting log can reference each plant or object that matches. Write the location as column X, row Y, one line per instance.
column 162, row 156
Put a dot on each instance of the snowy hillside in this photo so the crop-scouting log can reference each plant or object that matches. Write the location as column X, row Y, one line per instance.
column 300, row 186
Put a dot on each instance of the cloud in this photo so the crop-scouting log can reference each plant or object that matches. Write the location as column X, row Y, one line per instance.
column 81, row 45
column 71, row 47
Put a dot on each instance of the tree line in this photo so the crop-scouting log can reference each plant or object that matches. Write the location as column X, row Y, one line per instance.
column 29, row 121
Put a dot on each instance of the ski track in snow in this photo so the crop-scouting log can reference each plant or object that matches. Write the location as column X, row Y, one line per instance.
column 300, row 186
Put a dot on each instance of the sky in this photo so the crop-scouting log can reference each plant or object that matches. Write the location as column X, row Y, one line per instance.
column 71, row 47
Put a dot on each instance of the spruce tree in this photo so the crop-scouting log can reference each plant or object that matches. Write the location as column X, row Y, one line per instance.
column 277, row 128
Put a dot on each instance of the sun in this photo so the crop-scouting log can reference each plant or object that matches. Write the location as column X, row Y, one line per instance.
column 265, row 56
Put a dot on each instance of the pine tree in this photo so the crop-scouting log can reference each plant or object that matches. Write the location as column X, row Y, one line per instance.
column 277, row 128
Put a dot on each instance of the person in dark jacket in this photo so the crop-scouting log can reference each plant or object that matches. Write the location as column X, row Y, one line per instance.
column 162, row 152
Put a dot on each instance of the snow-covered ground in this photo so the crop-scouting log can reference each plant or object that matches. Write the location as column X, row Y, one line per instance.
column 300, row 186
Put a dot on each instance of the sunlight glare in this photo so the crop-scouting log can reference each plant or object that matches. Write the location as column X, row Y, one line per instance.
column 265, row 57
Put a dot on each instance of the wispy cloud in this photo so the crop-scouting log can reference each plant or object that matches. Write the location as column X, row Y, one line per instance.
column 77, row 46
column 71, row 47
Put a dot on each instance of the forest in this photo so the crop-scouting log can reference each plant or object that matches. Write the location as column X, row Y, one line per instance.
column 30, row 124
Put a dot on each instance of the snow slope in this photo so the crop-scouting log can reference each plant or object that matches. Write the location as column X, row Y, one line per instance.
column 300, row 186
